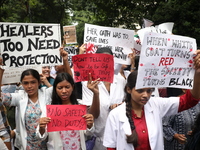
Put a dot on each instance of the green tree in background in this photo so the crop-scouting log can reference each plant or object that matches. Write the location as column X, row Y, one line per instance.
column 112, row 13
column 35, row 11
column 185, row 15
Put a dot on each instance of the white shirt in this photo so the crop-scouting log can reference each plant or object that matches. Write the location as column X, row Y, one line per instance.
column 116, row 95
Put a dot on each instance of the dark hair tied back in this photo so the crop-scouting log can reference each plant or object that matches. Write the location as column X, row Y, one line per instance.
column 131, row 81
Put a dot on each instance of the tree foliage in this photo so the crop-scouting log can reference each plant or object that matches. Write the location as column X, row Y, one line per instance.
column 113, row 13
column 183, row 13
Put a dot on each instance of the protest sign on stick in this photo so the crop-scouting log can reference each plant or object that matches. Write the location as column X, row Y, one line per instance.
column 66, row 117
column 29, row 44
column 120, row 41
column 99, row 65
column 166, row 61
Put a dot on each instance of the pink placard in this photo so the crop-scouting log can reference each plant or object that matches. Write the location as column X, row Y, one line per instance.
column 99, row 65
column 66, row 117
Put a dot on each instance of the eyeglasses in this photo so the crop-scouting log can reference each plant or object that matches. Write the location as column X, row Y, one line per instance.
column 145, row 90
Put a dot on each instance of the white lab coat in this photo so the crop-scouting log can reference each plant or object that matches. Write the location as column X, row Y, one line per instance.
column 117, row 125
column 20, row 100
column 116, row 95
column 2, row 145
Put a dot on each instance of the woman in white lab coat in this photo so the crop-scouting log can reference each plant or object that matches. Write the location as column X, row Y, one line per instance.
column 64, row 93
column 30, row 103
column 137, row 123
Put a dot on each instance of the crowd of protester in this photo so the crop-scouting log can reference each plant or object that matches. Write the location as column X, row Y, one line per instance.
column 119, row 116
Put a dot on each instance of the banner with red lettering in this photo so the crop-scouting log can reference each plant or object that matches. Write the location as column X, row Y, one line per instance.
column 99, row 65
column 66, row 117
column 166, row 61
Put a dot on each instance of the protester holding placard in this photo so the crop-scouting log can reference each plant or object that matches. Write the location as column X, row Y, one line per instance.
column 30, row 104
column 109, row 93
column 64, row 93
column 137, row 123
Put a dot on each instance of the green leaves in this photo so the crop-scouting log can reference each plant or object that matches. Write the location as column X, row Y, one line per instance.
column 113, row 13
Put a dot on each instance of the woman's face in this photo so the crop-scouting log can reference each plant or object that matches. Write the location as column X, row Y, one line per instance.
column 30, row 85
column 141, row 96
column 64, row 90
column 46, row 71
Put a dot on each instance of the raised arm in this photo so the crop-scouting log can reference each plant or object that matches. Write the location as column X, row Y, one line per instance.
column 196, row 82
column 82, row 49
column 132, row 57
column 95, row 107
column 66, row 65
column 1, row 73
column 44, row 80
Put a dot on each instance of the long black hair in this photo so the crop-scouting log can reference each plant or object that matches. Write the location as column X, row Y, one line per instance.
column 59, row 78
column 131, row 81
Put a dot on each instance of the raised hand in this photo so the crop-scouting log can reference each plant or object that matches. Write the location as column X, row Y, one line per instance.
column 64, row 54
column 93, row 85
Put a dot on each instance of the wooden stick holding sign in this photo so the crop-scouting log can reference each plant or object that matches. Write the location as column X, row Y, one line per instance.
column 66, row 117
column 99, row 65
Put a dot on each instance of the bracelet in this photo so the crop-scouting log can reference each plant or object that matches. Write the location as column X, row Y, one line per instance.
column 134, row 68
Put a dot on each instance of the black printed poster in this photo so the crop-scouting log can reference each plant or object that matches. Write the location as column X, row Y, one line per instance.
column 29, row 44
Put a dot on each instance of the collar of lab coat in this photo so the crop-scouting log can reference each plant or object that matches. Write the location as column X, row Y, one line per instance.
column 24, row 103
column 123, row 118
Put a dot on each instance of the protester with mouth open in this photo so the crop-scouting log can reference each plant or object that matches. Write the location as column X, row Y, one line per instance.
column 46, row 79
column 137, row 123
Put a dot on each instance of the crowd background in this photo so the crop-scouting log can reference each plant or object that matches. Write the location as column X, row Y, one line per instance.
column 107, row 97
column 112, row 14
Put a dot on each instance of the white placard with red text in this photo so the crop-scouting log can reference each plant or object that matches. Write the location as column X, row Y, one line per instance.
column 166, row 61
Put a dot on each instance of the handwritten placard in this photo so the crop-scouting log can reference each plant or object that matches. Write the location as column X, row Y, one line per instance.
column 99, row 65
column 166, row 61
column 13, row 75
column 70, row 34
column 71, row 52
column 29, row 44
column 66, row 117
column 164, row 28
column 120, row 41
